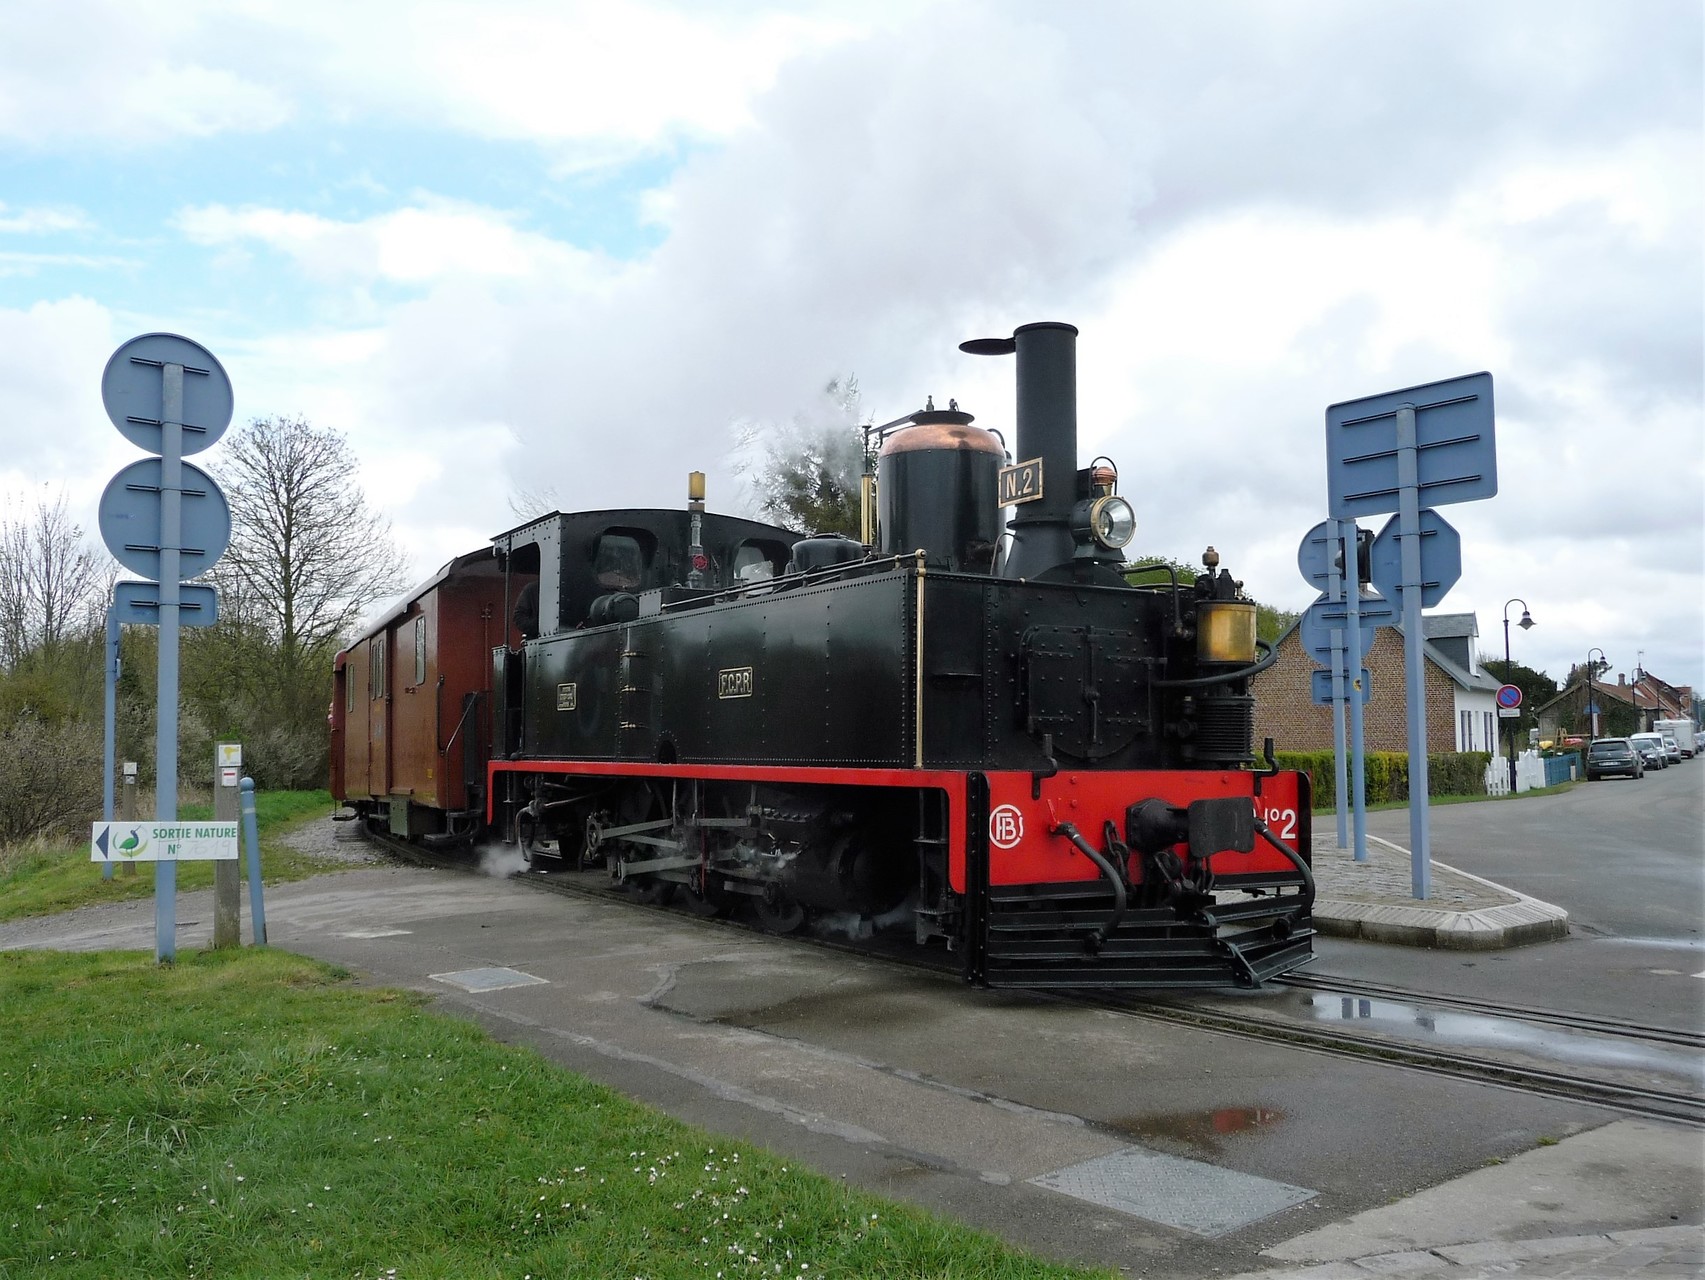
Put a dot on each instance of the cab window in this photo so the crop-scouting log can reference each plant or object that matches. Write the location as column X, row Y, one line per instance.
column 753, row 563
column 618, row 563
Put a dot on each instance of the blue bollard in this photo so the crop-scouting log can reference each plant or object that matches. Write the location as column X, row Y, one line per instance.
column 251, row 839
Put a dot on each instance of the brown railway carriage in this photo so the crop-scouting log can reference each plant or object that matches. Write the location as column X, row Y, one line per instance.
column 411, row 709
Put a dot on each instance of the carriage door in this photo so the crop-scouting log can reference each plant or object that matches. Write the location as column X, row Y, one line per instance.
column 379, row 713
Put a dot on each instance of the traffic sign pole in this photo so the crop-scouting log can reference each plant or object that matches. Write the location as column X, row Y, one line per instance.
column 1353, row 617
column 166, row 721
column 1408, row 451
column 1334, row 592
column 145, row 523
column 109, row 726
column 1409, row 535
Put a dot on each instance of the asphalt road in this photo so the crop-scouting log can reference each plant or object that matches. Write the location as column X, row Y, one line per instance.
column 1625, row 858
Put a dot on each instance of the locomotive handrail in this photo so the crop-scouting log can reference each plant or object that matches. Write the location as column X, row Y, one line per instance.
column 466, row 712
column 1177, row 610
column 787, row 580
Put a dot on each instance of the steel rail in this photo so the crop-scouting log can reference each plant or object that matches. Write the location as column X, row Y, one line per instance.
column 1659, row 1104
column 1372, row 1049
column 1524, row 1013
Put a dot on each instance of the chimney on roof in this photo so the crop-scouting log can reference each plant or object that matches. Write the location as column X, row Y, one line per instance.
column 1621, row 679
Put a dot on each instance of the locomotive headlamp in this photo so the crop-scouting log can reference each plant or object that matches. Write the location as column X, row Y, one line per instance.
column 1109, row 520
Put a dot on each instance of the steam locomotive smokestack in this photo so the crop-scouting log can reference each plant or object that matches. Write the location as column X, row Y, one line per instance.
column 1047, row 433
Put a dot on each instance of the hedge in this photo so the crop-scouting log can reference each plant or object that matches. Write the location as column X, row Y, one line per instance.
column 1449, row 773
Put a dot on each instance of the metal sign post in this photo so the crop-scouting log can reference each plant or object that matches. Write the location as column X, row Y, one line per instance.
column 170, row 396
column 1414, row 660
column 1331, row 632
column 1405, row 451
column 109, row 729
column 1358, row 784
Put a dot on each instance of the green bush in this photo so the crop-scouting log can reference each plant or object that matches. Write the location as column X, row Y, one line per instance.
column 1386, row 774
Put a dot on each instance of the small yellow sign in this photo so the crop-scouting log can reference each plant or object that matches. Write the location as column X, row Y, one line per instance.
column 230, row 755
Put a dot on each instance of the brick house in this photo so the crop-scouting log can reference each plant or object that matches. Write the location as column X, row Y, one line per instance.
column 1461, row 707
column 1624, row 707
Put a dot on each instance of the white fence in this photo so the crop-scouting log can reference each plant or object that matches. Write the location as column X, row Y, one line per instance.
column 1530, row 773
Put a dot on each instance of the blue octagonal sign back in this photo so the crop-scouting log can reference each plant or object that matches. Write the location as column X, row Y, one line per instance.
column 1441, row 559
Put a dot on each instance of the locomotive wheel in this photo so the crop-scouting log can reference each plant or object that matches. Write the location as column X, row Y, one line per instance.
column 717, row 906
column 776, row 912
column 653, row 892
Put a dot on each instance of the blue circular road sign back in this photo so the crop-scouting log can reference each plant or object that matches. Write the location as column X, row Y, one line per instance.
column 130, row 520
column 131, row 391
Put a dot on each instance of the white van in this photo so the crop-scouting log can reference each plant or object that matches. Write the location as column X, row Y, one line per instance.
column 1685, row 735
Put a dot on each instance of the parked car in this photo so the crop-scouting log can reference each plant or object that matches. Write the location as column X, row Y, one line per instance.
column 1672, row 749
column 1614, row 756
column 1651, row 748
column 1684, row 732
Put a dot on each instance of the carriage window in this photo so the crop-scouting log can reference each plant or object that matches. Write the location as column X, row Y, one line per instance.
column 618, row 564
column 348, row 689
column 420, row 650
column 376, row 667
column 752, row 564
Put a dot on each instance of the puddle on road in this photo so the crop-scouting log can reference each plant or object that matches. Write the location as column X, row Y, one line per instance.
column 1575, row 1048
column 1200, row 1129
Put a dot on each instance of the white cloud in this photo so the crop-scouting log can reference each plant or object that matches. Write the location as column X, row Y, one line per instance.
column 41, row 219
column 411, row 246
column 611, row 77
column 1251, row 211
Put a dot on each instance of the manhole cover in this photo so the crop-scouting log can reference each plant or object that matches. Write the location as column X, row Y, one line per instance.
column 1200, row 1198
column 487, row 979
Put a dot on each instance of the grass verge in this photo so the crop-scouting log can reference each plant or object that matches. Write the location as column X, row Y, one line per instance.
column 40, row 879
column 255, row 1114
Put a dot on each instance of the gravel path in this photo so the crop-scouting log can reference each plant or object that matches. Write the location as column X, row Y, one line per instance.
column 339, row 843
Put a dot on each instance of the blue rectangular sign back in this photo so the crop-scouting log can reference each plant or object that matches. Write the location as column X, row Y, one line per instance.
column 1456, row 454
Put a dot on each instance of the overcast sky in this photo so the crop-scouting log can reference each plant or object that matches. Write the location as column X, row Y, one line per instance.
column 577, row 247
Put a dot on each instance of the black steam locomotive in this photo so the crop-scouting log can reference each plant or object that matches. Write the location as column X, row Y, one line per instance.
column 981, row 730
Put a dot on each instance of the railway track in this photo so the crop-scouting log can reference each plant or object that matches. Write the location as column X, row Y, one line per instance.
column 1525, row 1013
column 1487, row 1069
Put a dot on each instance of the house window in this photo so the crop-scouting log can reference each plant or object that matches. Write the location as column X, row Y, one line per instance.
column 1465, row 733
column 420, row 650
column 1491, row 732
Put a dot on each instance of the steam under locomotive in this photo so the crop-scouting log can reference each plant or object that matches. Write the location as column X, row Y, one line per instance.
column 991, row 732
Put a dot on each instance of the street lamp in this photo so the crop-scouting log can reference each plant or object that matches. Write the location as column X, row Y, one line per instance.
column 1592, row 694
column 1525, row 623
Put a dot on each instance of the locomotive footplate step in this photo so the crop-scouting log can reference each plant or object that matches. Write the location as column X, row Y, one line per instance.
column 1202, row 1199
column 1039, row 936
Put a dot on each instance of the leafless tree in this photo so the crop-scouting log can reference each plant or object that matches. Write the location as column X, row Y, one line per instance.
column 50, row 581
column 308, row 552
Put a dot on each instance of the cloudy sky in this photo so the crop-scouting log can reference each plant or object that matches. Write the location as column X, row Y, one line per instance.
column 578, row 247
